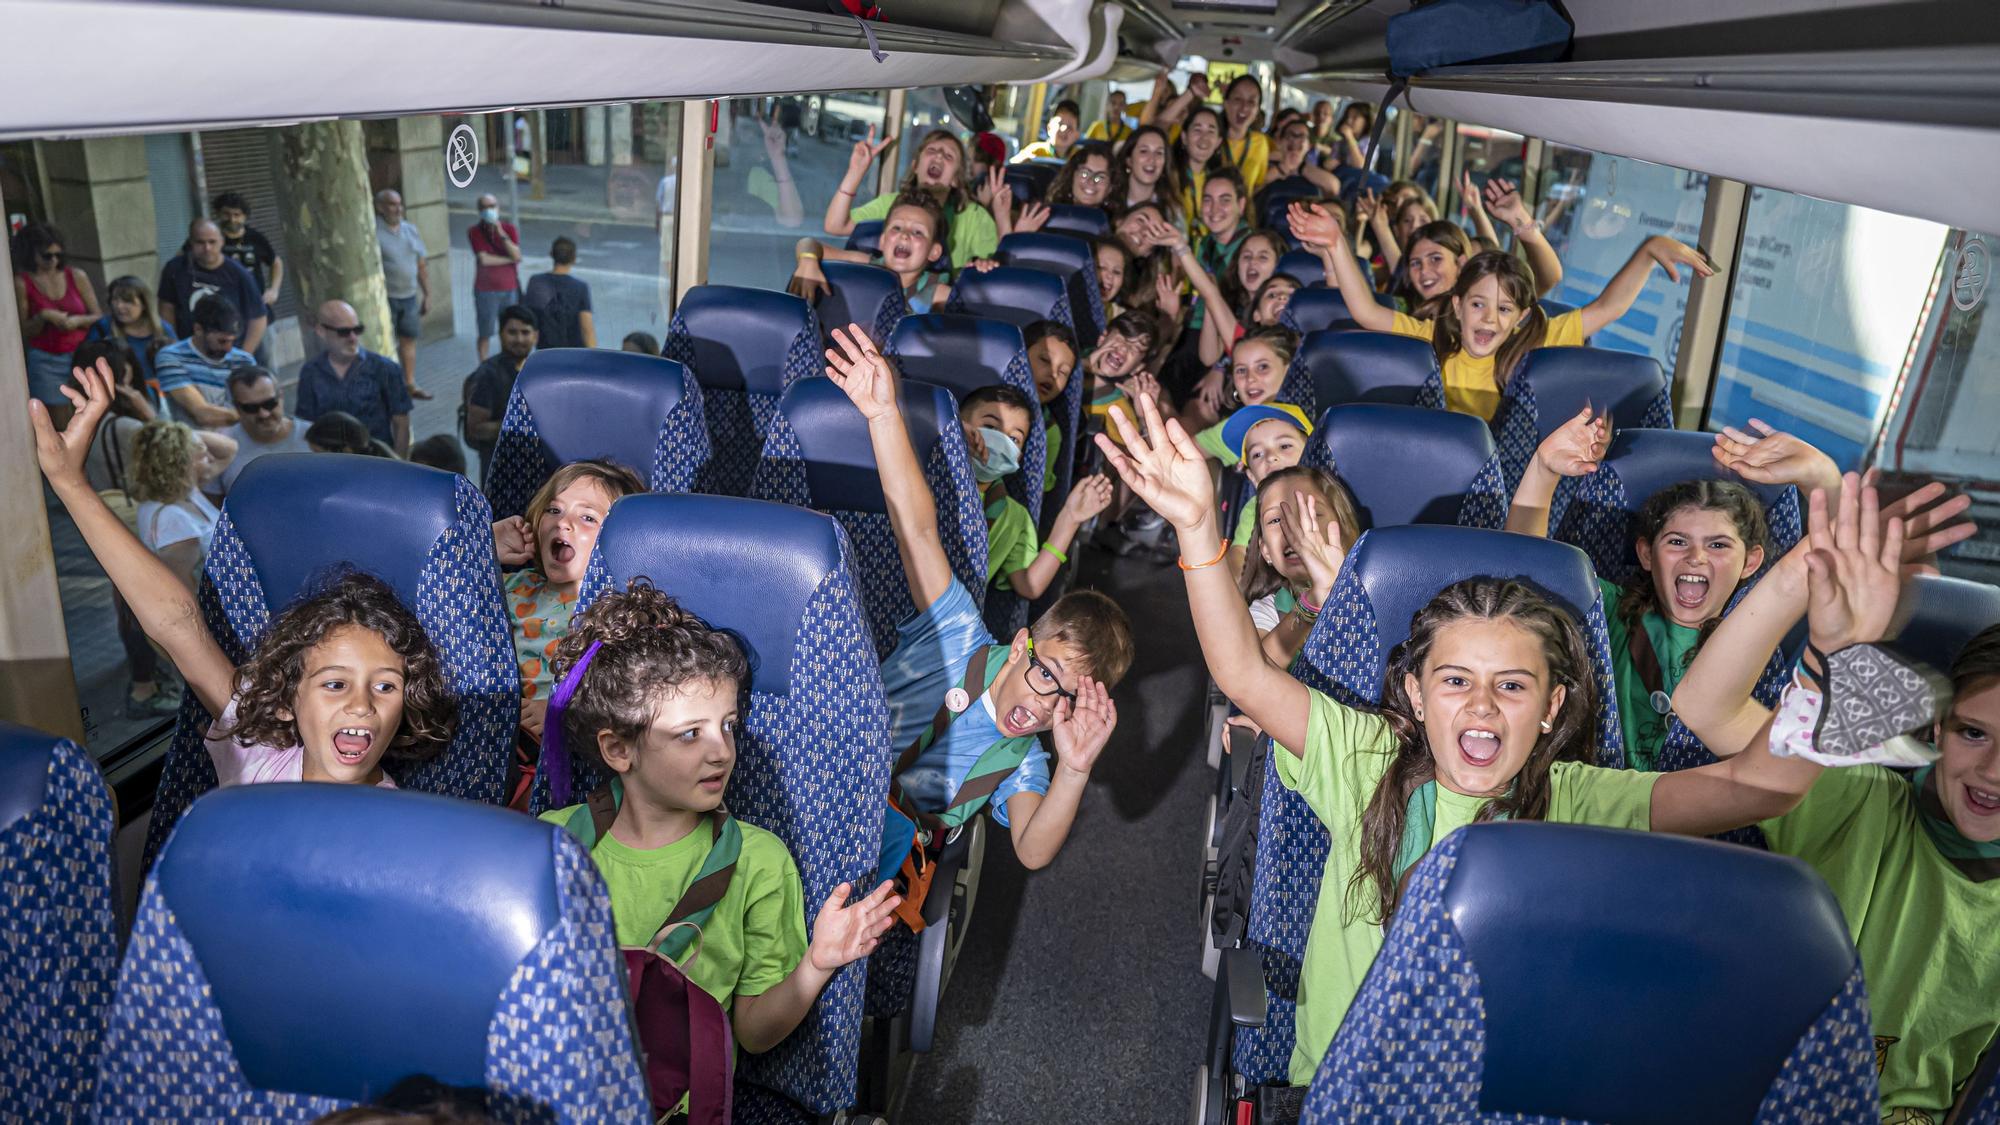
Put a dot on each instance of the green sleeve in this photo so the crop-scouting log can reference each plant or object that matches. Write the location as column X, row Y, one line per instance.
column 1347, row 752
column 1052, row 439
column 1210, row 442
column 876, row 208
column 1584, row 794
column 1011, row 542
column 973, row 235
column 1246, row 525
column 774, row 916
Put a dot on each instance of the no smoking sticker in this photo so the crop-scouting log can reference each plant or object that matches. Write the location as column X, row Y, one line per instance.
column 461, row 155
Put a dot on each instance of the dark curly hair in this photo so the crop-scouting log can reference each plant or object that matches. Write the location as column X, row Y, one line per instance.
column 651, row 647
column 270, row 678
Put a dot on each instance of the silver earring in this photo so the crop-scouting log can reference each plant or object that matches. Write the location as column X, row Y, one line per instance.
column 1420, row 716
column 1546, row 728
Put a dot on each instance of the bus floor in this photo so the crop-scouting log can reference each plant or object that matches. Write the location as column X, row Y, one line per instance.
column 1078, row 995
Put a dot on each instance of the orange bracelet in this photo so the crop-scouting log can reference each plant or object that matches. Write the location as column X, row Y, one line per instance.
column 1186, row 565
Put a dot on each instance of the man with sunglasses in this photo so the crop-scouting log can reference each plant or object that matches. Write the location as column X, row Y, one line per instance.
column 349, row 378
column 262, row 427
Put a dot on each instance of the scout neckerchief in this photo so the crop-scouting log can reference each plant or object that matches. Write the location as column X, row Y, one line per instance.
column 995, row 763
column 591, row 821
column 1979, row 861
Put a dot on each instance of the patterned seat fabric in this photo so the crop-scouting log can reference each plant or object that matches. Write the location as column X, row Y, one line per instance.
column 301, row 949
column 1389, row 575
column 818, row 456
column 291, row 519
column 744, row 347
column 963, row 354
column 1071, row 259
column 1335, row 368
column 812, row 753
column 1031, row 179
column 570, row 404
column 1553, row 385
column 1595, row 513
column 1406, row 464
column 58, row 928
column 1275, row 198
column 1678, row 958
column 1022, row 297
column 860, row 294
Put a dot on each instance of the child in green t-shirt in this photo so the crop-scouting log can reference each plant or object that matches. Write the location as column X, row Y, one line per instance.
column 1487, row 712
column 649, row 692
column 996, row 421
column 1052, row 355
column 912, row 243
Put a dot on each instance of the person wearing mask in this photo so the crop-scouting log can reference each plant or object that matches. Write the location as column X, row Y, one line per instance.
column 496, row 284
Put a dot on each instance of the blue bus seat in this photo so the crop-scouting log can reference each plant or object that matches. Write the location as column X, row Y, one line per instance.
column 867, row 295
column 1552, row 385
column 1336, row 368
column 1275, row 197
column 301, row 949
column 965, row 353
column 1318, row 307
column 818, row 456
column 1562, row 972
column 57, row 827
column 744, row 346
column 1031, row 180
column 1304, row 267
column 1408, row 464
column 1077, row 219
column 293, row 517
column 1946, row 614
column 1072, row 259
column 570, row 404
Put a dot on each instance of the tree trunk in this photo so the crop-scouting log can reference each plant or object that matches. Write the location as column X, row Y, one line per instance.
column 330, row 221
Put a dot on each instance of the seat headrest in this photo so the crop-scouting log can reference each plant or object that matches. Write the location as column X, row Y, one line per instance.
column 1403, row 568
column 742, row 336
column 963, row 353
column 1405, row 464
column 866, row 236
column 1031, row 180
column 597, row 403
column 1015, row 294
column 1647, row 461
column 299, row 513
column 833, row 436
column 1564, row 379
column 353, row 936
column 25, row 756
column 1062, row 251
column 1616, row 966
column 1948, row 613
column 1316, row 308
column 699, row 548
column 1304, row 267
column 1077, row 219
column 1376, row 367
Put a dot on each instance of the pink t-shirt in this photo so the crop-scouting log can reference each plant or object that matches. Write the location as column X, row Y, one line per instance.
column 238, row 763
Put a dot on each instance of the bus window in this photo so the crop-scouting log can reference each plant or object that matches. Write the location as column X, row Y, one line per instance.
column 1595, row 208
column 1485, row 153
column 778, row 161
column 1826, row 302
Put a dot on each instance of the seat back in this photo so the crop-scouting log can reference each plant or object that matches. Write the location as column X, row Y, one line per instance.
column 1388, row 576
column 1408, row 464
column 290, row 519
column 1946, row 614
column 859, row 294
column 1304, row 267
column 1677, row 957
column 965, row 353
column 1552, row 385
column 744, row 346
column 570, row 404
column 56, row 829
column 1031, row 180
column 1316, row 308
column 1072, row 259
column 1335, row 368
column 1021, row 297
column 303, row 948
column 1275, row 197
column 1350, row 178
column 1982, row 1094
column 1077, row 219
column 819, row 456
column 812, row 753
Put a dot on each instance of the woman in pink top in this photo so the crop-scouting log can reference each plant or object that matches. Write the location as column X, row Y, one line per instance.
column 57, row 307
column 344, row 680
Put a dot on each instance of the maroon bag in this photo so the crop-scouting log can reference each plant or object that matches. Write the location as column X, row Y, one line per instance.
column 684, row 1035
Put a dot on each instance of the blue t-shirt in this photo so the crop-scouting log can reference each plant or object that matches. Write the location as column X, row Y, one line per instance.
column 372, row 390
column 142, row 351
column 183, row 284
column 181, row 364
column 932, row 649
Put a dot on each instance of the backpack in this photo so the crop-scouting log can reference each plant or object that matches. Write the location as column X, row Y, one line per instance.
column 1236, row 850
column 685, row 1041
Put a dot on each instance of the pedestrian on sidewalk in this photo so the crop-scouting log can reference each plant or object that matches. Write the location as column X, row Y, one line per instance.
column 496, row 284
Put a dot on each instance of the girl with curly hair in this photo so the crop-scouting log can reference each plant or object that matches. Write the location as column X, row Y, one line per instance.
column 344, row 681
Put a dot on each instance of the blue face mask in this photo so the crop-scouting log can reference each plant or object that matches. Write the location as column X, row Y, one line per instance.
column 1003, row 456
column 489, row 214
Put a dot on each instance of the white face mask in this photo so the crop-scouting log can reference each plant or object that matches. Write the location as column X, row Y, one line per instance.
column 1003, row 456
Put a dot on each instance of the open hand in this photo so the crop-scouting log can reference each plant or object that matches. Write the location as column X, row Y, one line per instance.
column 513, row 543
column 1671, row 254
column 62, row 454
column 846, row 931
column 1855, row 564
column 1576, row 448
column 1317, row 538
column 1212, row 390
column 1763, row 454
column 1088, row 497
column 1469, row 194
column 1932, row 520
column 858, row 369
column 1314, row 225
column 1167, row 295
column 1033, row 217
column 1162, row 466
column 1503, row 202
column 865, row 151
column 1082, row 729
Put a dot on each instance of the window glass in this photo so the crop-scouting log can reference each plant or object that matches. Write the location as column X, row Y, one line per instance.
column 1826, row 302
column 1596, row 209
column 1424, row 160
column 778, row 162
column 1483, row 153
column 601, row 179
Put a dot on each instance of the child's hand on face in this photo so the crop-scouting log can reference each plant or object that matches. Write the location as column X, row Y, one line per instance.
column 858, row 369
column 845, row 932
column 1081, row 731
column 1088, row 497
column 1855, row 565
column 62, row 454
column 513, row 545
column 1162, row 465
column 1316, row 538
column 975, row 442
column 1576, row 448
column 1767, row 456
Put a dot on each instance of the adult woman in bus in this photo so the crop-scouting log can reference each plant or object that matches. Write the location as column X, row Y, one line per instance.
column 1913, row 859
column 1294, row 146
column 1350, row 139
column 343, row 679
column 1151, row 175
column 134, row 319
column 1088, row 178
column 1493, row 318
column 1243, row 146
column 57, row 307
column 1487, row 712
column 939, row 169
column 171, row 467
column 1198, row 155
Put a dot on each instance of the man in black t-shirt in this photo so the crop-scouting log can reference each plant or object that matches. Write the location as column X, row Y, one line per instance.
column 562, row 301
column 246, row 245
column 488, row 388
column 202, row 270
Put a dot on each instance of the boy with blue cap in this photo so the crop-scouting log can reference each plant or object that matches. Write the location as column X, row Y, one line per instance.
column 1265, row 438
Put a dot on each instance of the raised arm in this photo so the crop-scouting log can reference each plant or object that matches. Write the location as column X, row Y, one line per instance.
column 1482, row 223
column 839, row 218
column 166, row 609
column 1312, row 225
column 1503, row 201
column 1574, row 449
column 1624, row 289
column 1316, row 536
column 858, row 369
column 1086, row 499
column 1166, row 470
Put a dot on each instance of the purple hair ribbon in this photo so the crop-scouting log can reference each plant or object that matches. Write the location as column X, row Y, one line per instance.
column 555, row 758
